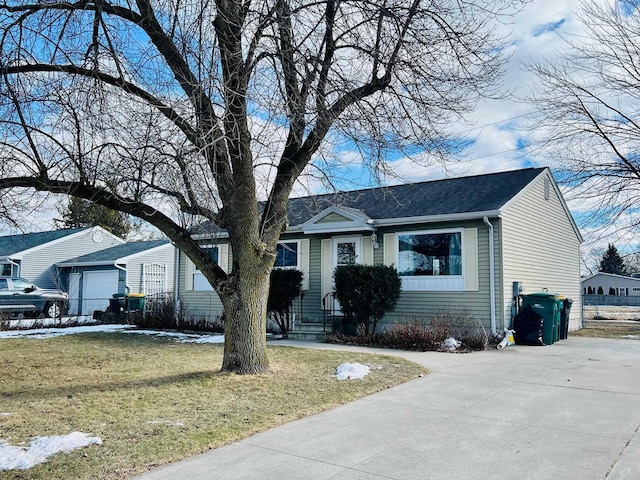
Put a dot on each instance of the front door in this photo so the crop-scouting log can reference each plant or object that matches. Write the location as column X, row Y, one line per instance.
column 346, row 251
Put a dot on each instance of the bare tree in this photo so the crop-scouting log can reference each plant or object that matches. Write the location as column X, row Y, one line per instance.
column 180, row 111
column 589, row 106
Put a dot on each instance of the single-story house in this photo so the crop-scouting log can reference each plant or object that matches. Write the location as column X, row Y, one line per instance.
column 459, row 244
column 135, row 267
column 33, row 255
column 609, row 284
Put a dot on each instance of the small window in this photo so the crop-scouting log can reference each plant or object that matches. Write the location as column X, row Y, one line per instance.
column 636, row 289
column 6, row 269
column 287, row 255
column 199, row 280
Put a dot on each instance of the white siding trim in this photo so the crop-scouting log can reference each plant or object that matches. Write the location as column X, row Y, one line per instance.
column 470, row 259
column 389, row 246
column 223, row 256
column 325, row 269
column 304, row 262
column 367, row 251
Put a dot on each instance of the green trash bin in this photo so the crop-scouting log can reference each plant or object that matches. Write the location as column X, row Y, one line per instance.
column 549, row 307
column 135, row 302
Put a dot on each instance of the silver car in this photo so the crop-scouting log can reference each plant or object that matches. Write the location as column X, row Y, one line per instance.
column 18, row 295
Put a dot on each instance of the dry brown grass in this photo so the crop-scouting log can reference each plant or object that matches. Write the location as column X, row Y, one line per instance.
column 154, row 401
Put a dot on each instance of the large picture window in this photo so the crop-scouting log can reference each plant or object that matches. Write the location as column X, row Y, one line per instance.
column 430, row 254
column 287, row 255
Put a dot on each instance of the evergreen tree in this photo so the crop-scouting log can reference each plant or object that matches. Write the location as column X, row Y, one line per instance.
column 612, row 262
column 84, row 213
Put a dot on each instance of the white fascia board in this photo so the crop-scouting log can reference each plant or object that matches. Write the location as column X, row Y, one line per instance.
column 210, row 236
column 448, row 217
column 339, row 227
column 100, row 263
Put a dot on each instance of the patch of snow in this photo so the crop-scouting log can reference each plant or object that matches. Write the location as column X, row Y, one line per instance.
column 25, row 323
column 165, row 422
column 41, row 448
column 58, row 332
column 352, row 371
column 451, row 344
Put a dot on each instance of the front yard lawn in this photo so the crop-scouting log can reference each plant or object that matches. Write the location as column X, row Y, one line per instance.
column 153, row 401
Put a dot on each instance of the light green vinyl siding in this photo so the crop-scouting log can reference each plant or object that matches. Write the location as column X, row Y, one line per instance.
column 412, row 305
column 540, row 247
column 194, row 304
column 164, row 255
column 424, row 304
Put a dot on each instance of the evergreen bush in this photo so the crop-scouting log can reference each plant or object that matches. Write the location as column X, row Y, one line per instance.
column 366, row 293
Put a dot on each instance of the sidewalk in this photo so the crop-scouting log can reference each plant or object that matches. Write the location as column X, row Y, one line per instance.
column 566, row 411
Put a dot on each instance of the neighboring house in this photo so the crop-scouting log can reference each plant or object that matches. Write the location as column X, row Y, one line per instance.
column 610, row 284
column 134, row 267
column 34, row 255
column 458, row 244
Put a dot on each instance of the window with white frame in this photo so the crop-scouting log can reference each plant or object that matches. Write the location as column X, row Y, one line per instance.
column 430, row 260
column 6, row 270
column 288, row 254
column 199, row 280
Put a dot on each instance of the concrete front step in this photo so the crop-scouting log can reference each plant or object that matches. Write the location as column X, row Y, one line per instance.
column 309, row 331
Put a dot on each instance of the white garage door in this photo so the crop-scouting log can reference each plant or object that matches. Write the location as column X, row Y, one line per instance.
column 97, row 289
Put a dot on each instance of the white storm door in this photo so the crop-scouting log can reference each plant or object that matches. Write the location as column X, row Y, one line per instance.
column 345, row 251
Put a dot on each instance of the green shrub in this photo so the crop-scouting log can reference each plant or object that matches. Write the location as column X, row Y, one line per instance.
column 366, row 293
column 285, row 286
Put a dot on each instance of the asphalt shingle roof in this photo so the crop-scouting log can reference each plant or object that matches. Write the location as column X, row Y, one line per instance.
column 119, row 251
column 12, row 244
column 479, row 193
column 441, row 197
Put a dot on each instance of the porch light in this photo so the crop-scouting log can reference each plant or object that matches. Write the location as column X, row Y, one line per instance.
column 374, row 241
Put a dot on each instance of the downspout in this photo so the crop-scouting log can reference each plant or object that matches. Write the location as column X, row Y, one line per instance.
column 492, row 277
column 127, row 288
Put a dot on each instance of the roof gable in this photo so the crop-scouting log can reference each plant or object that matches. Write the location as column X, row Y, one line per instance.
column 336, row 219
column 16, row 244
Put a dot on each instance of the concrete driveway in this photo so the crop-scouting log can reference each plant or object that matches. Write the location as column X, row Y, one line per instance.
column 566, row 411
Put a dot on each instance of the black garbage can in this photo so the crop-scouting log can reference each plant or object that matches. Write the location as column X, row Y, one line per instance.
column 564, row 318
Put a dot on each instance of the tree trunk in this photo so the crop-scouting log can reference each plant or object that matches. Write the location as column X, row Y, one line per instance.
column 245, row 312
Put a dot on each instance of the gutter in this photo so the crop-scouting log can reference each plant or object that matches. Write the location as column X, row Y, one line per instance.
column 492, row 277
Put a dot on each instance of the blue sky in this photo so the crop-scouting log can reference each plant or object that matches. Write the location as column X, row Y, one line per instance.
column 497, row 134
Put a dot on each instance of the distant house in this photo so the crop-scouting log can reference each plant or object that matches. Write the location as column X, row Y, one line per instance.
column 458, row 244
column 134, row 267
column 610, row 284
column 34, row 255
